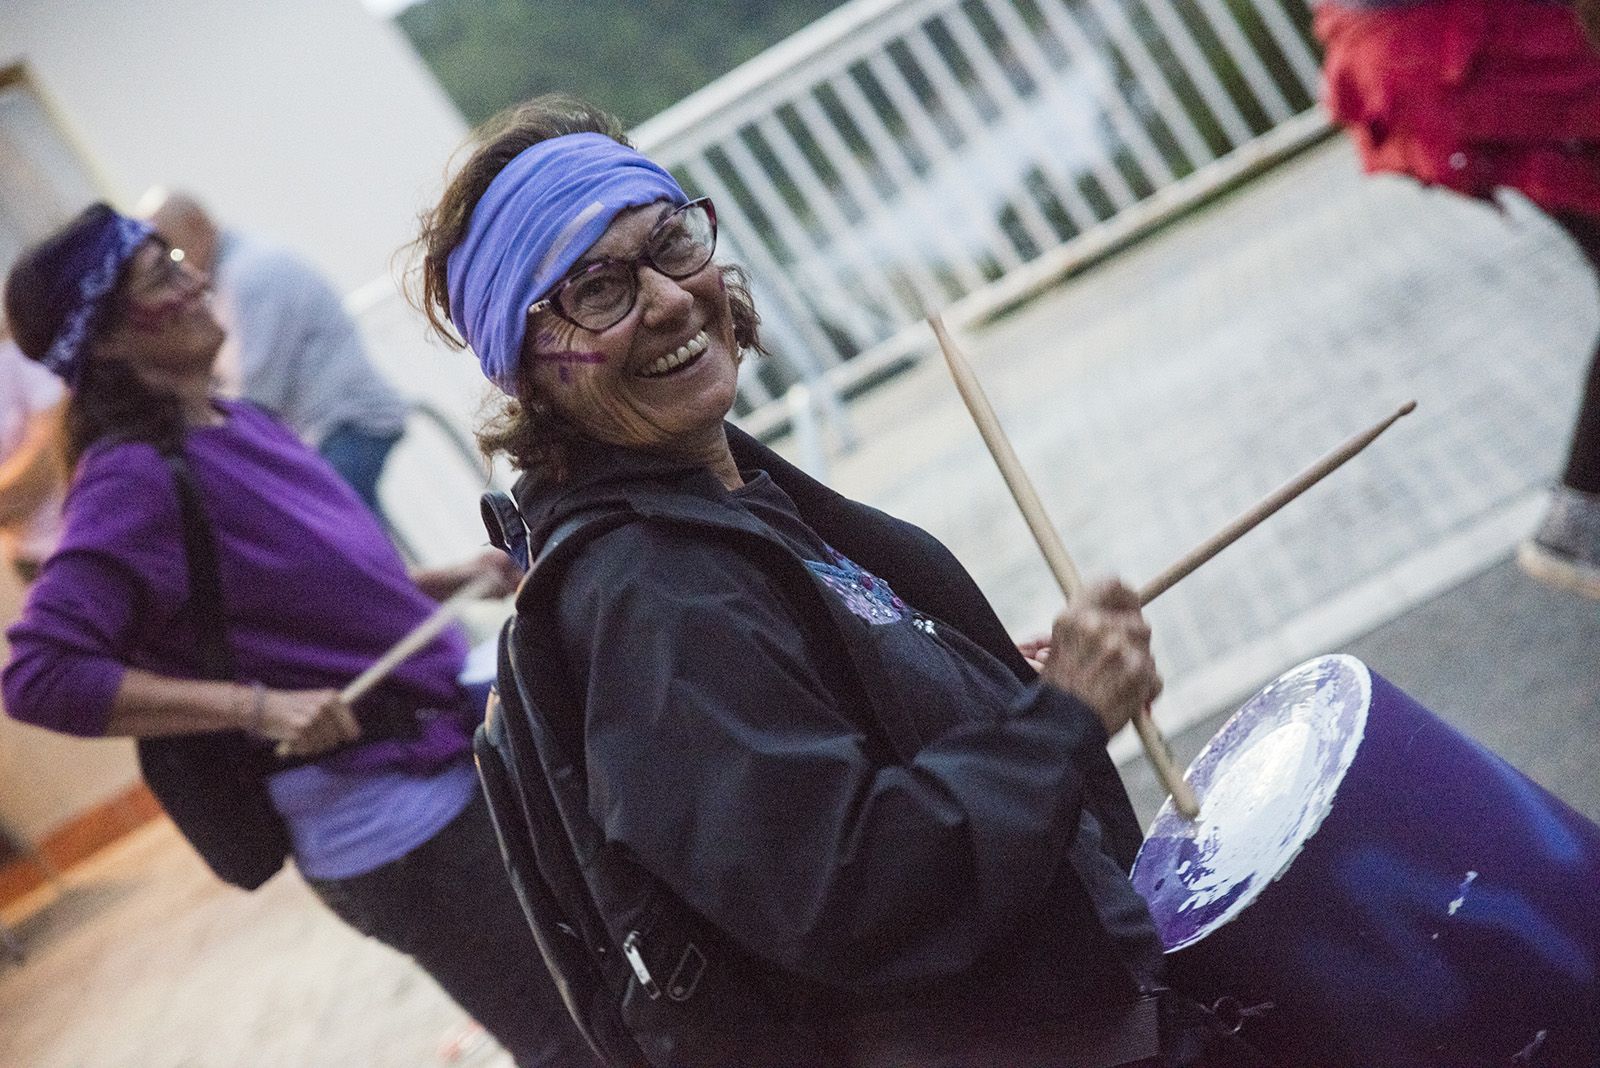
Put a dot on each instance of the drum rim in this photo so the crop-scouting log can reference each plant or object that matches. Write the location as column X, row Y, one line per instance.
column 1167, row 815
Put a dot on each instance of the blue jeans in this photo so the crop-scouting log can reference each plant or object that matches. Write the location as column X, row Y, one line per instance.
column 358, row 455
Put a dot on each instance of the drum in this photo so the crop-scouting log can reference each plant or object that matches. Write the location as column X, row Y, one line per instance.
column 1368, row 888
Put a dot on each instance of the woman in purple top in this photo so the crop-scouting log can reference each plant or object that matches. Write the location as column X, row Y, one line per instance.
column 378, row 803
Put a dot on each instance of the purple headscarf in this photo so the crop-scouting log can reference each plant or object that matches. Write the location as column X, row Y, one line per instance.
column 537, row 218
column 71, row 276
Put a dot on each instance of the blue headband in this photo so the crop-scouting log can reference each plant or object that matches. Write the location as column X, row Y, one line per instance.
column 537, row 218
column 96, row 259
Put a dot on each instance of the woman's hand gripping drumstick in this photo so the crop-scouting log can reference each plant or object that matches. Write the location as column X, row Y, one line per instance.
column 1055, row 554
column 420, row 635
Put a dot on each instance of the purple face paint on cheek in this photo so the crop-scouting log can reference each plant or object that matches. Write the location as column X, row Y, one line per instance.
column 565, row 359
column 570, row 357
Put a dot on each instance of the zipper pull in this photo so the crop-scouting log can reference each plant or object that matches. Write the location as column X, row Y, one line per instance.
column 630, row 949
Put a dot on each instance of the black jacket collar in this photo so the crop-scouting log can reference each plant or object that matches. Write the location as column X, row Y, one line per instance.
column 598, row 473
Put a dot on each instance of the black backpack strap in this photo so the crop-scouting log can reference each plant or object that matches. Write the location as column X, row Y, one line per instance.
column 515, row 750
column 507, row 531
column 213, row 784
column 205, row 578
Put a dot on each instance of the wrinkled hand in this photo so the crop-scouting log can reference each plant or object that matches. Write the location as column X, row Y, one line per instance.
column 306, row 722
column 507, row 573
column 1100, row 653
column 495, row 564
column 442, row 583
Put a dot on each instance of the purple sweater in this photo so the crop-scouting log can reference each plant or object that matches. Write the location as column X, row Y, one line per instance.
column 313, row 589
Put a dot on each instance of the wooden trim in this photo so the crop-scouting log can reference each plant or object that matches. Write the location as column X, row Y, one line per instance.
column 77, row 839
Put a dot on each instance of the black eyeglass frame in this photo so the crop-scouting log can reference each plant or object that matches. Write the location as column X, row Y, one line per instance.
column 551, row 302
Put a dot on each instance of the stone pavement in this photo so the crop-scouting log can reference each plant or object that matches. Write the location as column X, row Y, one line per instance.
column 142, row 960
column 1152, row 399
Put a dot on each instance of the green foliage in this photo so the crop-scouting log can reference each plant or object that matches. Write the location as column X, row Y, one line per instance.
column 632, row 57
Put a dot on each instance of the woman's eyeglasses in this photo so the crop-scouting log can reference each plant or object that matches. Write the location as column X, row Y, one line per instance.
column 601, row 295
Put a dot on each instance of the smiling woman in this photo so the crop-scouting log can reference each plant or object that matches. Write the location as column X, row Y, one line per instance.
column 808, row 789
column 534, row 330
column 216, row 583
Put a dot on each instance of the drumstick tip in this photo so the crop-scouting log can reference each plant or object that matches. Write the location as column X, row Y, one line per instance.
column 1407, row 408
column 1187, row 806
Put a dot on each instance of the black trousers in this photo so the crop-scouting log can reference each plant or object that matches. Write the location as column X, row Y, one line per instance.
column 1583, row 459
column 448, row 905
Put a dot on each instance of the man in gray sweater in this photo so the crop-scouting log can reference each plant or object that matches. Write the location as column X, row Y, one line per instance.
column 291, row 348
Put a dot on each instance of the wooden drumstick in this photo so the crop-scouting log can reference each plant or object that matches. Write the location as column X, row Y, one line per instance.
column 1267, row 506
column 423, row 633
column 447, row 613
column 1055, row 554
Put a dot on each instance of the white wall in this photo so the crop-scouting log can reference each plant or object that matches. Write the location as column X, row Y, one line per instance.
column 47, row 778
column 310, row 121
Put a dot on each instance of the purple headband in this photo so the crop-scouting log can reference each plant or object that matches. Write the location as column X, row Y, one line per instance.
column 537, row 218
column 96, row 258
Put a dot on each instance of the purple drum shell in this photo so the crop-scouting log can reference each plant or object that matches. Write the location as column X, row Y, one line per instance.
column 1399, row 895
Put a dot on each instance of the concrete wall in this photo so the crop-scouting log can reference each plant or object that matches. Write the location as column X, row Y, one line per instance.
column 309, row 121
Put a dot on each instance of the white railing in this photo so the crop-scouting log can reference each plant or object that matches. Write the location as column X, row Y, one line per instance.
column 904, row 156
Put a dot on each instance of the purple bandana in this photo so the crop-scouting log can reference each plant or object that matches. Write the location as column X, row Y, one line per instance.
column 537, row 218
column 97, row 261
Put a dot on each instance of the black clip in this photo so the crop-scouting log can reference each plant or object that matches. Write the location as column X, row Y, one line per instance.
column 686, row 976
column 1231, row 1014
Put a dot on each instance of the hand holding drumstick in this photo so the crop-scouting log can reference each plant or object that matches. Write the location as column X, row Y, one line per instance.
column 1066, row 573
column 1099, row 652
column 334, row 708
column 1055, row 554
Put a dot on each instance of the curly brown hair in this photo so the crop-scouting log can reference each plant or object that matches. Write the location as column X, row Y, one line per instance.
column 1589, row 19
column 526, row 426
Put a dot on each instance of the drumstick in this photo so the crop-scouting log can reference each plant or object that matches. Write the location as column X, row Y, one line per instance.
column 1267, row 506
column 420, row 635
column 1055, row 554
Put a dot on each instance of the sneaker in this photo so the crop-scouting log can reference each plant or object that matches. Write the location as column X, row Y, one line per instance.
column 1565, row 551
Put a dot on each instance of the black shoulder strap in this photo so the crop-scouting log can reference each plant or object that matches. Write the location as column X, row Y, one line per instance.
column 205, row 581
column 212, row 783
column 503, row 521
column 578, row 529
column 508, row 531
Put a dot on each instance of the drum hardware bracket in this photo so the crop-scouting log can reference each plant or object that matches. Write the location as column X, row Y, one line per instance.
column 1530, row 1054
column 1231, row 1014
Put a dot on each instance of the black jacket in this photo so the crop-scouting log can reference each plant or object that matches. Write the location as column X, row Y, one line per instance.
column 911, row 867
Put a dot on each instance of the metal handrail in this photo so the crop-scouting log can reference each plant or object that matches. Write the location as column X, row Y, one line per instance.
column 902, row 156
